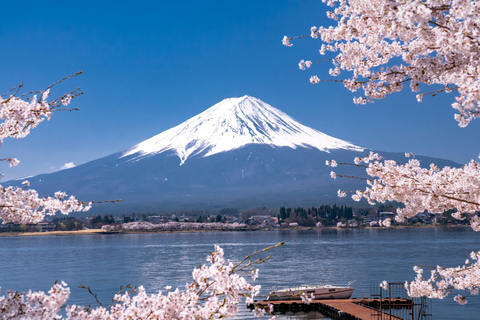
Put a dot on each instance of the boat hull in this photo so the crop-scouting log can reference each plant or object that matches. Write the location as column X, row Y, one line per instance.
column 319, row 293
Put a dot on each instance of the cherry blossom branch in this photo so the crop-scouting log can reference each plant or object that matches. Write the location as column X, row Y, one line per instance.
column 436, row 43
column 215, row 293
column 16, row 89
column 433, row 190
column 94, row 295
column 255, row 253
column 18, row 115
column 70, row 76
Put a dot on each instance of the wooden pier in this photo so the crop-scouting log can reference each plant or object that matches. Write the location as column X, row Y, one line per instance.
column 343, row 309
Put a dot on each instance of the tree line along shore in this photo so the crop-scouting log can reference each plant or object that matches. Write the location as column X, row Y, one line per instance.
column 229, row 219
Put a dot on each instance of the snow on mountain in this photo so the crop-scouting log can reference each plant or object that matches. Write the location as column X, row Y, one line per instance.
column 241, row 153
column 234, row 123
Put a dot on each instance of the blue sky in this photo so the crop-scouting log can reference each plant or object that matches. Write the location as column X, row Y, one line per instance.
column 150, row 65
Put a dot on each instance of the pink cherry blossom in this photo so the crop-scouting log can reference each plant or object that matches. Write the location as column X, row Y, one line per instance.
column 18, row 116
column 382, row 45
column 215, row 292
column 379, row 47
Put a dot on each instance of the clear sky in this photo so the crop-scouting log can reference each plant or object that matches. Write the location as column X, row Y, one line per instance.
column 150, row 65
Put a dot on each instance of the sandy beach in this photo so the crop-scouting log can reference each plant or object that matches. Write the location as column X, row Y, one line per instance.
column 59, row 233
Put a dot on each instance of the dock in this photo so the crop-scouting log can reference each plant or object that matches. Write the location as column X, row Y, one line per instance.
column 344, row 309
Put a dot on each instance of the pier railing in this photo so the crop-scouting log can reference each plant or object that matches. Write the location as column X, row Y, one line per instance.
column 394, row 303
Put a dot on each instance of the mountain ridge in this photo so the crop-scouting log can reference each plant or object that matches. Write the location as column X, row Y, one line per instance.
column 234, row 123
column 199, row 164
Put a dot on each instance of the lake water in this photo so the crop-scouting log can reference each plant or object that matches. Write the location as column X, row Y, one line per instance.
column 104, row 262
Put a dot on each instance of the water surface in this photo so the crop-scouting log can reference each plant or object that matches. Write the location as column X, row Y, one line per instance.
column 105, row 262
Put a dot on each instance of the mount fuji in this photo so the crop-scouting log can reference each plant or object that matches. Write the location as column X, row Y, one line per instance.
column 232, row 124
column 239, row 153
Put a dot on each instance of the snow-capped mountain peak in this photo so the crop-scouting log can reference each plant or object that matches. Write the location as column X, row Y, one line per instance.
column 233, row 123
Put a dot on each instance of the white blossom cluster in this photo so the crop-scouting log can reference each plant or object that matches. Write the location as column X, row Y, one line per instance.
column 384, row 285
column 306, row 298
column 19, row 116
column 34, row 305
column 443, row 280
column 215, row 293
column 177, row 226
column 386, row 44
column 436, row 191
column 25, row 206
column 420, row 188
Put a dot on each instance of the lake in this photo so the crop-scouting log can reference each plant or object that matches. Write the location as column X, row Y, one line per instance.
column 105, row 262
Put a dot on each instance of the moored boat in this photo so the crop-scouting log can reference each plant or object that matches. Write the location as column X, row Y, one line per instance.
column 319, row 292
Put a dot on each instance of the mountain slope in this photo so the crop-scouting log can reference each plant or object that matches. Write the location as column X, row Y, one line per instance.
column 239, row 153
column 234, row 123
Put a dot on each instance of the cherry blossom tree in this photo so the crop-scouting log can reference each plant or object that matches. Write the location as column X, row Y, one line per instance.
column 378, row 47
column 19, row 114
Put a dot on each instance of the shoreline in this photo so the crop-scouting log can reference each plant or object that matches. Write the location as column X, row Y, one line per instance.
column 100, row 231
column 54, row 233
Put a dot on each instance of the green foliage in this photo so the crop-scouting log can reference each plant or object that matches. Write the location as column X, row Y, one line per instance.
column 95, row 220
column 68, row 224
column 127, row 219
column 326, row 214
column 108, row 219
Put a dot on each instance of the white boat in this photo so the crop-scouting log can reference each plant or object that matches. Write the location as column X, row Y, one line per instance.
column 319, row 292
